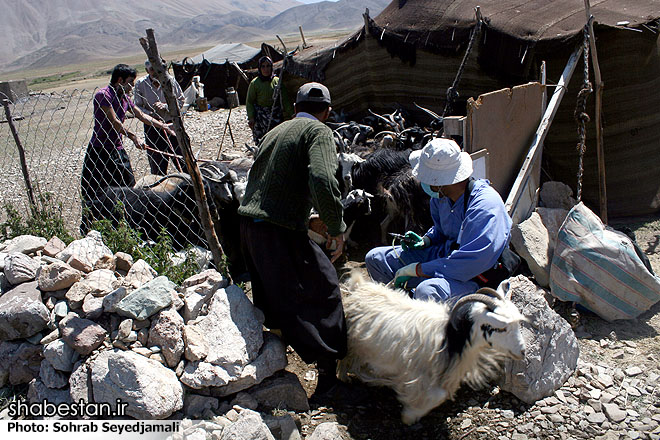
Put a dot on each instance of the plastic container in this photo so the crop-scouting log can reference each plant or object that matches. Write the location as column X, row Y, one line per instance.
column 232, row 98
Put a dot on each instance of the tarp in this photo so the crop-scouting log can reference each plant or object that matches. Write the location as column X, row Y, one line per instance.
column 412, row 52
column 236, row 52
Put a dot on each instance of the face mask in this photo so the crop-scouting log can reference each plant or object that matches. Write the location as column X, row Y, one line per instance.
column 427, row 189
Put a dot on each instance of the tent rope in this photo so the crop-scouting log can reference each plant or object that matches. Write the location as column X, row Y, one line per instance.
column 452, row 92
column 581, row 116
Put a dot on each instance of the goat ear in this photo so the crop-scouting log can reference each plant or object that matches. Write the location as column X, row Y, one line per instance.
column 495, row 320
column 505, row 289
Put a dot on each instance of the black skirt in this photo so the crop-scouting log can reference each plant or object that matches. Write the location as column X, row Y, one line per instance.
column 296, row 286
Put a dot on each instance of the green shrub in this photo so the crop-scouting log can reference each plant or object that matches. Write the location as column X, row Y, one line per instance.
column 45, row 220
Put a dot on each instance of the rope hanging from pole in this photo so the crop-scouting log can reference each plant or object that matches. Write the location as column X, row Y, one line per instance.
column 452, row 92
column 581, row 116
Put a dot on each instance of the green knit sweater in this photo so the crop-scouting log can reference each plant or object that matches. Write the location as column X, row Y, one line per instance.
column 293, row 171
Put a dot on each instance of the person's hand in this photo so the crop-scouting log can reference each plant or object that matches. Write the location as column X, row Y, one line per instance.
column 251, row 124
column 169, row 129
column 404, row 274
column 411, row 240
column 138, row 144
column 339, row 241
column 161, row 106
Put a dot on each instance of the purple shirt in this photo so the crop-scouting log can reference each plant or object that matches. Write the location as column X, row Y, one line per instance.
column 105, row 134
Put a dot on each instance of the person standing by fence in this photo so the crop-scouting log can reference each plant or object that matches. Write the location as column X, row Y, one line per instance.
column 150, row 99
column 259, row 101
column 106, row 161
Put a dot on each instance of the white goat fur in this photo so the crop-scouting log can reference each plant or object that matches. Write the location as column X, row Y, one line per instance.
column 399, row 342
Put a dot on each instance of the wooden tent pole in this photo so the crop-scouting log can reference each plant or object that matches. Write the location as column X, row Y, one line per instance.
column 151, row 49
column 600, row 148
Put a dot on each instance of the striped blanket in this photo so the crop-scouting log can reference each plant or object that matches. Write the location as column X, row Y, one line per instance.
column 598, row 268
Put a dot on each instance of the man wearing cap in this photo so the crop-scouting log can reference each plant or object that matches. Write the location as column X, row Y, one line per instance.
column 150, row 98
column 293, row 281
column 466, row 239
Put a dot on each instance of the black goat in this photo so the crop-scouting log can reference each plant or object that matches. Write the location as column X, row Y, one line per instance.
column 398, row 196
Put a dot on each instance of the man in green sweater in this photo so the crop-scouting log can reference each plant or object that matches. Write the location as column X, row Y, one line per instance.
column 293, row 281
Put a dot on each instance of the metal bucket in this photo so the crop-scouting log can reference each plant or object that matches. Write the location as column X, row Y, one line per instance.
column 232, row 98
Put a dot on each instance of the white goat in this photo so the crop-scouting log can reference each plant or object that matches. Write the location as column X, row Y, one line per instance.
column 423, row 349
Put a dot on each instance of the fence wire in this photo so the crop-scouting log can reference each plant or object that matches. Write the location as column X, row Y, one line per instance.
column 55, row 131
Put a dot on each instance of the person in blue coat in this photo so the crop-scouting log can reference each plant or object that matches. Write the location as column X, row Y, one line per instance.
column 467, row 238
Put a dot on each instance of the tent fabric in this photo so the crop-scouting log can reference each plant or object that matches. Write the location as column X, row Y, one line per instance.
column 411, row 53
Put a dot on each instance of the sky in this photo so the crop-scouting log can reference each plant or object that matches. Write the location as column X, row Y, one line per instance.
column 315, row 1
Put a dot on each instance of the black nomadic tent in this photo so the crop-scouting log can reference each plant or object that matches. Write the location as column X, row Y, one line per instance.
column 216, row 72
column 412, row 51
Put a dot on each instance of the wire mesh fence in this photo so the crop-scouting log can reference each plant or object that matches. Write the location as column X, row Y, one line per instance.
column 55, row 130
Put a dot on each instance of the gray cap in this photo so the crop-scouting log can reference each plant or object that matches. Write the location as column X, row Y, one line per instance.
column 313, row 92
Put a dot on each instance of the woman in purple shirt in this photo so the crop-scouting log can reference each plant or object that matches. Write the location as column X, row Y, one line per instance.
column 106, row 161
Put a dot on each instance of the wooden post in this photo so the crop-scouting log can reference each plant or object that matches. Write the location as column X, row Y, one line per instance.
column 151, row 49
column 303, row 37
column 600, row 148
column 21, row 156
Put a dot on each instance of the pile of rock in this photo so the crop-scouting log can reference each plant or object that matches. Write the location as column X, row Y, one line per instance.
column 79, row 322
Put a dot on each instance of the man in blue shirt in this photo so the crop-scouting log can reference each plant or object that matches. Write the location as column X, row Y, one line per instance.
column 466, row 239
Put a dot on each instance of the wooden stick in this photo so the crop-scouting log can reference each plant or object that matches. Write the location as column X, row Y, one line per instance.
column 303, row 37
column 21, row 155
column 600, row 148
column 534, row 152
column 151, row 49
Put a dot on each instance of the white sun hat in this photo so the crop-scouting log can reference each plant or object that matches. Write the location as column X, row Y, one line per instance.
column 441, row 162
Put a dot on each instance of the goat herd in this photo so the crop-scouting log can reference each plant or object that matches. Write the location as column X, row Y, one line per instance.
column 423, row 351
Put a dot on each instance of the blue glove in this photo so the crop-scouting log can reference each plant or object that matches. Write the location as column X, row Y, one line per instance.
column 404, row 274
column 413, row 241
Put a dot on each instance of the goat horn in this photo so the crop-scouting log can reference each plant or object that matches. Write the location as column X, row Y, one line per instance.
column 490, row 302
column 434, row 115
column 387, row 121
column 490, row 292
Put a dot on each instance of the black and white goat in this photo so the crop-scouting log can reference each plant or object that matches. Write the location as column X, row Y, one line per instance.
column 425, row 350
column 387, row 175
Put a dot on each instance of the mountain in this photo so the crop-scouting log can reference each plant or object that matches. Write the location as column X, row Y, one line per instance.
column 45, row 33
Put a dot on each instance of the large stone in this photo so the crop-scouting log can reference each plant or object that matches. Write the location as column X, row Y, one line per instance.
column 79, row 383
column 92, row 306
column 147, row 300
column 20, row 268
column 556, row 195
column 21, row 361
column 22, row 313
column 551, row 351
column 60, row 355
column 54, row 247
column 38, row 392
column 535, row 240
column 166, row 332
column 82, row 335
column 195, row 344
column 151, row 390
column 101, row 282
column 248, row 426
column 139, row 274
column 198, row 291
column 326, row 431
column 25, row 244
column 123, row 261
column 51, row 377
column 281, row 391
column 83, row 254
column 57, row 276
column 271, row 359
column 111, row 300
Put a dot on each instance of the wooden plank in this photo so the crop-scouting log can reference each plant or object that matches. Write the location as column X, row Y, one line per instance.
column 535, row 149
